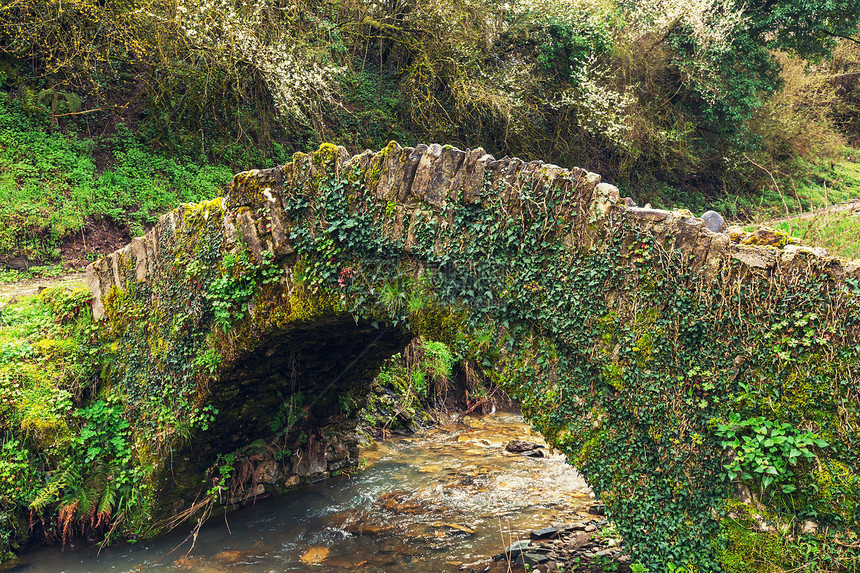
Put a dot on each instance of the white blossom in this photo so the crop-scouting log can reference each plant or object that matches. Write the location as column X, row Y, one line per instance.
column 294, row 77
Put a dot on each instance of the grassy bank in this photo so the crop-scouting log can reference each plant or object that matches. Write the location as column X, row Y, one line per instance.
column 55, row 183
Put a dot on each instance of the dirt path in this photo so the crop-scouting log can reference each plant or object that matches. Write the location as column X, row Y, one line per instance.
column 853, row 206
column 9, row 290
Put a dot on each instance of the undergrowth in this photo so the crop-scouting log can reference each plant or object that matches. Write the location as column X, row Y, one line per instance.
column 51, row 187
column 69, row 465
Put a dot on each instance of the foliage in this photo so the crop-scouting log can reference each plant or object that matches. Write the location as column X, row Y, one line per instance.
column 67, row 460
column 624, row 354
column 229, row 293
column 620, row 351
column 671, row 99
column 409, row 385
column 52, row 190
column 255, row 35
column 839, row 233
column 765, row 451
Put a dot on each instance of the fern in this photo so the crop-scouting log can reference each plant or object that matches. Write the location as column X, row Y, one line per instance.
column 105, row 506
column 50, row 493
column 66, row 520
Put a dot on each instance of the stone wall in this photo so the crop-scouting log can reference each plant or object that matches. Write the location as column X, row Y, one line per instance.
column 426, row 178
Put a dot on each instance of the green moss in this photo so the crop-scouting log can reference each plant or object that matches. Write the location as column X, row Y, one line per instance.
column 245, row 189
column 765, row 236
column 835, row 485
column 436, row 322
column 195, row 215
column 378, row 163
column 122, row 309
column 613, row 374
column 749, row 551
column 325, row 156
column 305, row 305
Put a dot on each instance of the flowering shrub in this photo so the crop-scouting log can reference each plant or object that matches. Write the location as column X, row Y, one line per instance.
column 258, row 36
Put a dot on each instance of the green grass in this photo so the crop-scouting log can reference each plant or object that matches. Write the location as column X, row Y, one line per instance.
column 839, row 233
column 824, row 185
column 34, row 272
column 50, row 187
column 818, row 185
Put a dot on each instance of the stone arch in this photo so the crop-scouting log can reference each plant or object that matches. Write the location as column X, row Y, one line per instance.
column 259, row 318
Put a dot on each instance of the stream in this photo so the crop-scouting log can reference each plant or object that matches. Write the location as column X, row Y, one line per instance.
column 446, row 499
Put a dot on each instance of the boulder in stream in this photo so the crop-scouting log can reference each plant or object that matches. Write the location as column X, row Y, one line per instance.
column 521, row 446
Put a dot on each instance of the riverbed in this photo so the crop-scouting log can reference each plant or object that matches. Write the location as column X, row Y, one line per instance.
column 445, row 500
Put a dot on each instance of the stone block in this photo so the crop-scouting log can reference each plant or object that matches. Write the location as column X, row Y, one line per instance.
column 687, row 234
column 434, row 177
column 393, row 167
column 137, row 249
column 468, row 183
column 94, row 284
column 266, row 472
column 714, row 222
column 605, row 197
column 755, row 257
column 278, row 223
column 648, row 215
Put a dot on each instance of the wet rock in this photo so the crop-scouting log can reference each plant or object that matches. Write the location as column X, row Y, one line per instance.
column 521, row 446
column 531, row 559
column 266, row 472
column 535, row 454
column 517, row 546
column 714, row 222
column 606, row 552
column 343, row 563
column 546, row 533
column 476, row 566
column 314, row 555
column 513, row 550
column 237, row 557
column 597, row 509
column 401, row 501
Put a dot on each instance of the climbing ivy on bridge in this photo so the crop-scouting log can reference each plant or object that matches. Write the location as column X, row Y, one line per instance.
column 673, row 390
column 627, row 360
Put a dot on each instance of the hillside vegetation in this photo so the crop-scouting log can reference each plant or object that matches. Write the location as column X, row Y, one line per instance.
column 114, row 111
column 119, row 110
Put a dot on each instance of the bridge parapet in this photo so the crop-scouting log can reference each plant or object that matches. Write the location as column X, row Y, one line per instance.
column 426, row 179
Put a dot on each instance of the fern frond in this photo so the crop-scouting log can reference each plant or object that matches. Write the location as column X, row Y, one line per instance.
column 50, row 493
column 105, row 506
column 66, row 520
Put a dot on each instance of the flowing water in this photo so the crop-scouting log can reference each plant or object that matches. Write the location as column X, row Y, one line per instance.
column 447, row 498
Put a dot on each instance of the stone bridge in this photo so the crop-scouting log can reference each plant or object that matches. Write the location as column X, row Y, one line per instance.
column 246, row 329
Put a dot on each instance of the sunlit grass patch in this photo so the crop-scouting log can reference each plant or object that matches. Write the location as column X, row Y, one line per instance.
column 838, row 232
